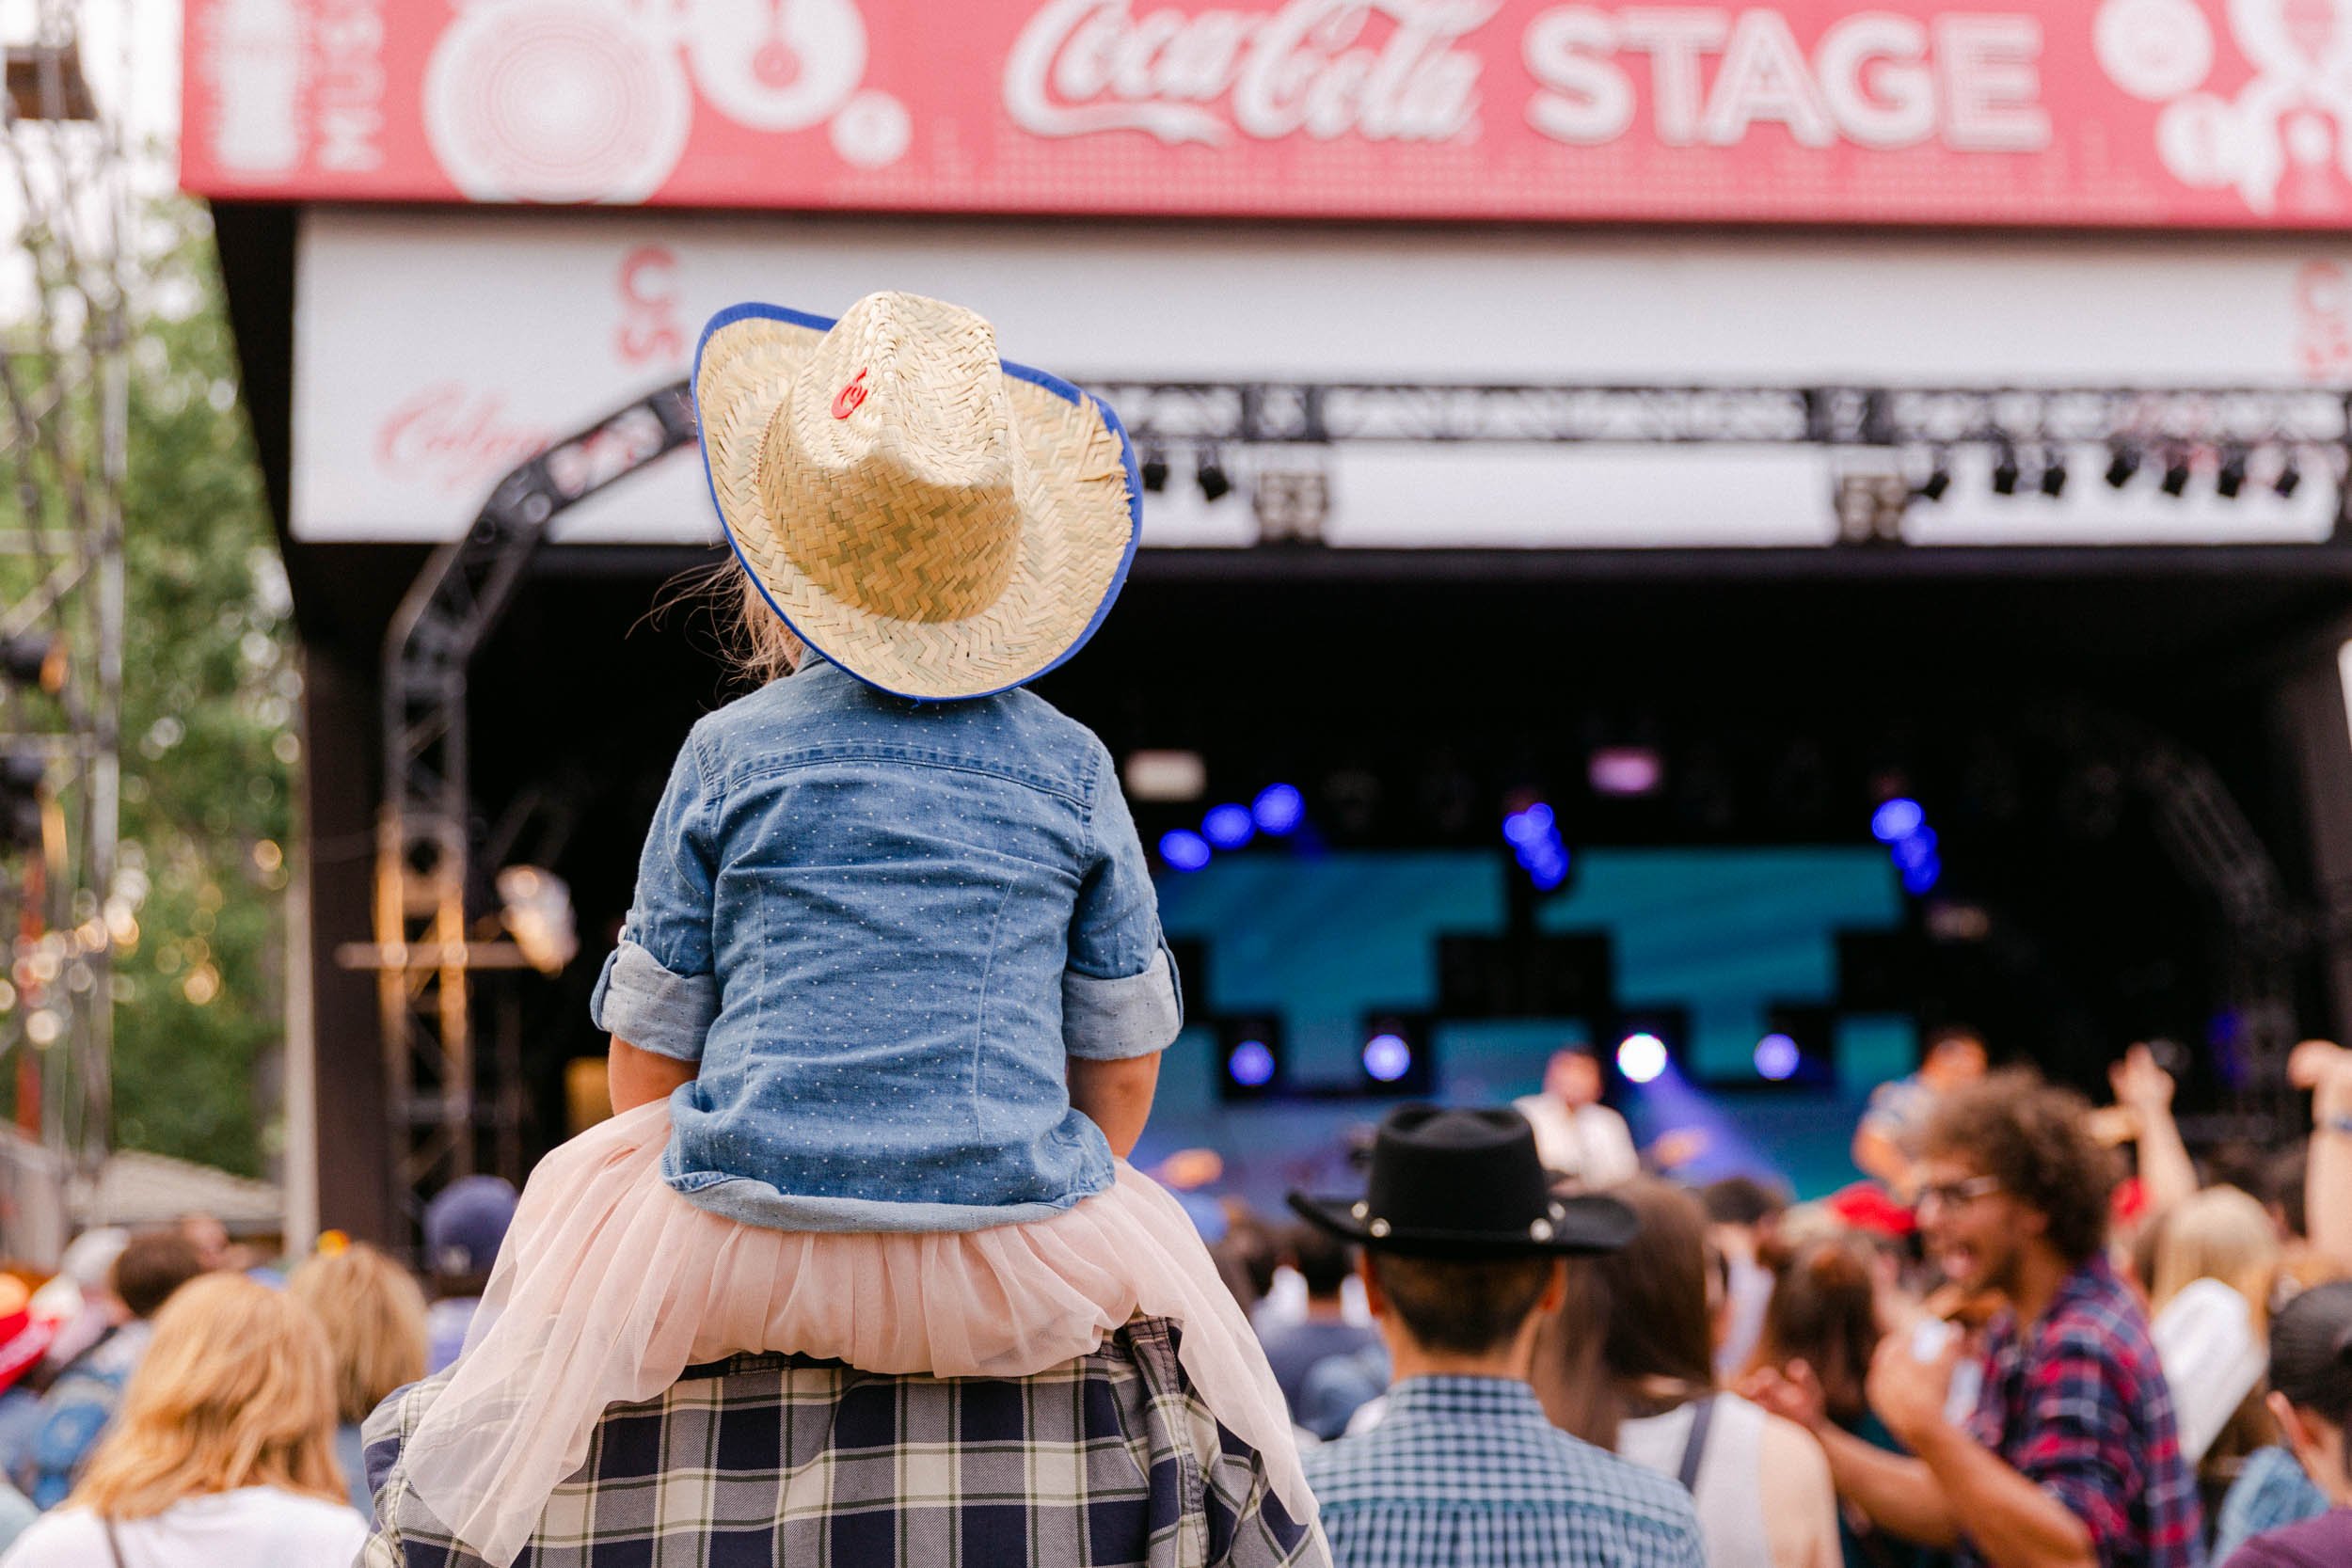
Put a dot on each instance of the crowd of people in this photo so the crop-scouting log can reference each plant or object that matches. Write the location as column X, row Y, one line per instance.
column 2045, row 1334
column 168, row 1398
column 2048, row 1334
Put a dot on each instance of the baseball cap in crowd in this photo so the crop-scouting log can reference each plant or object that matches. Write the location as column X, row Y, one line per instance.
column 465, row 1223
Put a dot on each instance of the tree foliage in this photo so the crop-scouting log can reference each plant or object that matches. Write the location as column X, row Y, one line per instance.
column 209, row 690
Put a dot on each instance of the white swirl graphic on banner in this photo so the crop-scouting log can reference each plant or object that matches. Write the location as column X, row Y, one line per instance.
column 555, row 100
column 589, row 100
column 2284, row 141
column 2154, row 48
column 775, row 64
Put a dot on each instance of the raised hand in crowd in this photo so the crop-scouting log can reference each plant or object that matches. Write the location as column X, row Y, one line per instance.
column 2144, row 1089
column 2325, row 1069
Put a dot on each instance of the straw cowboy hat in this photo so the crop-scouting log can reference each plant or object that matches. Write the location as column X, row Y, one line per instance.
column 936, row 522
column 1465, row 1184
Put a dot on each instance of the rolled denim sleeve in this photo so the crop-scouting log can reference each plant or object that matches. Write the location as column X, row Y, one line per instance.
column 659, row 992
column 1121, row 995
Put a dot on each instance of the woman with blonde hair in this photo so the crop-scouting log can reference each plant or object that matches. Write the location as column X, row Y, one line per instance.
column 375, row 1315
column 224, row 1450
column 2216, row 1260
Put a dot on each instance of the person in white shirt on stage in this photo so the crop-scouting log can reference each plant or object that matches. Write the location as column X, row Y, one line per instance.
column 1576, row 1136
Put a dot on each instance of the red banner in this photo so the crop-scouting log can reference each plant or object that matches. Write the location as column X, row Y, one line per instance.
column 2230, row 113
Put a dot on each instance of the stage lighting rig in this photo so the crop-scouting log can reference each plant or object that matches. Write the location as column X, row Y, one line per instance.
column 2230, row 479
column 2054, row 473
column 2290, row 476
column 1154, row 469
column 2006, row 472
column 1939, row 480
column 2123, row 464
column 1209, row 471
column 2176, row 472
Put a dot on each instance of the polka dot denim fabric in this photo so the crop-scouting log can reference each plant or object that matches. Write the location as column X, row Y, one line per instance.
column 881, row 926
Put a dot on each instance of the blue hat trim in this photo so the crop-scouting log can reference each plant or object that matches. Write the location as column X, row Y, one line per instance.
column 753, row 311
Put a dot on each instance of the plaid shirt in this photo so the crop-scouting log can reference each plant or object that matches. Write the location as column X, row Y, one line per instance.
column 1466, row 1472
column 769, row 1460
column 2079, row 1406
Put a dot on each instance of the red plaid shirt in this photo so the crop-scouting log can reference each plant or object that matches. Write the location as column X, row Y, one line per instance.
column 2078, row 1405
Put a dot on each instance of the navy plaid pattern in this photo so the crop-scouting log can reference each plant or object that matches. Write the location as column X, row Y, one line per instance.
column 776, row 1460
column 2079, row 1406
column 1466, row 1472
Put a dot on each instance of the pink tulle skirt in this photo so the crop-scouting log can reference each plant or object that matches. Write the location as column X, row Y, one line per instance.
column 611, row 1285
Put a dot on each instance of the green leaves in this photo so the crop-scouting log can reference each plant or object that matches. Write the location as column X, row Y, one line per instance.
column 211, row 688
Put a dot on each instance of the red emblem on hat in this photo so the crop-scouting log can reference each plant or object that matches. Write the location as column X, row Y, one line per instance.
column 845, row 402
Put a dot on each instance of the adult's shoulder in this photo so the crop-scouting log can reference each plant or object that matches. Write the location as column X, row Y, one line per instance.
column 2321, row 1542
column 1592, row 1479
column 313, row 1524
column 62, row 1538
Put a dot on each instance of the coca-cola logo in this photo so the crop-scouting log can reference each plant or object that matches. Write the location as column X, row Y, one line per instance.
column 454, row 438
column 1382, row 69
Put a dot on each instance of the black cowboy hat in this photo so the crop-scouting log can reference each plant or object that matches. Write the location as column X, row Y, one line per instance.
column 1465, row 1184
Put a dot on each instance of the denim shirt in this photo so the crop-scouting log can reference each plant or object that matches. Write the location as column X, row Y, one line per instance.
column 881, row 926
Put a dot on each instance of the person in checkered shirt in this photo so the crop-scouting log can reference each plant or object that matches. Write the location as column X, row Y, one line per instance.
column 2068, row 1455
column 1465, row 1248
column 1109, row 1460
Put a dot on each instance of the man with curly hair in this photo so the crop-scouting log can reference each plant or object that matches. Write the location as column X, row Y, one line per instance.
column 2069, row 1457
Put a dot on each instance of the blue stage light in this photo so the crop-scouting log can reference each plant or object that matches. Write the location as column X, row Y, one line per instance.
column 1915, row 849
column 1897, row 820
column 1386, row 1058
column 1641, row 1058
column 1278, row 810
column 1251, row 1064
column 1920, row 875
column 1777, row 1058
column 1184, row 851
column 1524, row 827
column 1228, row 827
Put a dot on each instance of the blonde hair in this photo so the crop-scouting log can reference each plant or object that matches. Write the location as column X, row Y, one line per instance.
column 2220, row 1233
column 236, row 1390
column 374, row 1317
column 766, row 648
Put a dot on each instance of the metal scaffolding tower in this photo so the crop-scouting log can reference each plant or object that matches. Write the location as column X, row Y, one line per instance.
column 64, row 399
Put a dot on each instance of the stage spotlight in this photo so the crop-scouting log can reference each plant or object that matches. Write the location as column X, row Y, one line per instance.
column 1166, row 775
column 2006, row 472
column 1278, row 810
column 1228, row 827
column 1154, row 469
column 1533, row 834
column 1249, row 1057
column 2290, row 477
column 1184, row 851
column 2176, row 472
column 1215, row 484
column 1395, row 1055
column 1897, row 820
column 1625, row 772
column 1777, row 1058
column 1939, row 480
column 1386, row 1058
column 2123, row 463
column 1641, row 1057
column 536, row 910
column 2054, row 473
column 2230, row 479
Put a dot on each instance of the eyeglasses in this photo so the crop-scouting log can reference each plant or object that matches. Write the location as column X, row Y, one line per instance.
column 1951, row 1194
